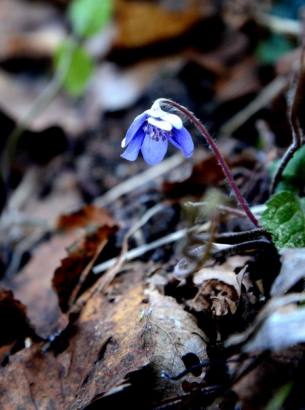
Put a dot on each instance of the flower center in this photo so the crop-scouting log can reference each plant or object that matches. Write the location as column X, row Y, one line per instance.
column 156, row 133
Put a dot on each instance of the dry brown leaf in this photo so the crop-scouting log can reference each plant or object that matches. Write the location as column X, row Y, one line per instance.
column 116, row 334
column 259, row 386
column 33, row 285
column 13, row 319
column 106, row 347
column 219, row 287
column 143, row 23
column 77, row 265
column 89, row 215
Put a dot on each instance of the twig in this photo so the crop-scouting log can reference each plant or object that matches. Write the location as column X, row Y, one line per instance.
column 236, row 237
column 141, row 250
column 139, row 180
column 114, row 269
column 221, row 208
column 279, row 25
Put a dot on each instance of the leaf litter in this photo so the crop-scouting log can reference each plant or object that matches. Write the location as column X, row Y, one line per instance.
column 149, row 302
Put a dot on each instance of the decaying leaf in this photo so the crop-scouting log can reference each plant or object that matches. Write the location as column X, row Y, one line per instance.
column 173, row 334
column 206, row 172
column 219, row 287
column 137, row 21
column 14, row 323
column 77, row 265
column 116, row 334
column 89, row 215
column 106, row 346
column 33, row 285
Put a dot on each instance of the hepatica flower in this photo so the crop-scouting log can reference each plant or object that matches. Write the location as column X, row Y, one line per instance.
column 152, row 131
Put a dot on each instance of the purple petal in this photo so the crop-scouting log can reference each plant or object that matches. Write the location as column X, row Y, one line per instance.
column 154, row 151
column 182, row 140
column 134, row 127
column 132, row 151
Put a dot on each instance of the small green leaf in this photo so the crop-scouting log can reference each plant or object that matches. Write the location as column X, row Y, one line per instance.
column 89, row 16
column 293, row 178
column 284, row 218
column 270, row 50
column 280, row 396
column 78, row 70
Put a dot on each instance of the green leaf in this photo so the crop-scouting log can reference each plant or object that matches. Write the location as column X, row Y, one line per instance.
column 88, row 17
column 77, row 66
column 279, row 398
column 284, row 218
column 270, row 50
column 293, row 178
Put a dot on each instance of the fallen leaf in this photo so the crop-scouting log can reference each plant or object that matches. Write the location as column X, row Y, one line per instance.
column 174, row 334
column 14, row 323
column 137, row 21
column 219, row 287
column 33, row 285
column 119, row 334
column 106, row 347
column 77, row 265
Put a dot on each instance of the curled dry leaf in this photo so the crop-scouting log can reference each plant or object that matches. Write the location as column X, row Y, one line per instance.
column 33, row 285
column 77, row 265
column 14, row 324
column 219, row 288
column 90, row 215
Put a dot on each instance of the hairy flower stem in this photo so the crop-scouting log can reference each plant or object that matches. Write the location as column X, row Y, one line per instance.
column 225, row 168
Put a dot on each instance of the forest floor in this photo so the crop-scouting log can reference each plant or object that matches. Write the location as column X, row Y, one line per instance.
column 125, row 285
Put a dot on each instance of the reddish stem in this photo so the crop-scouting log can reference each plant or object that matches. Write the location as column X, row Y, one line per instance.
column 225, row 168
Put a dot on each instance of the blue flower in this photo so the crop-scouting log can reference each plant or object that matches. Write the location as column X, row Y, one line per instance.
column 151, row 132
